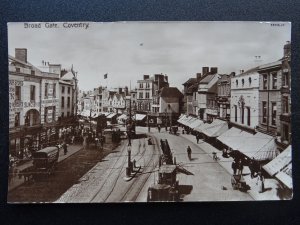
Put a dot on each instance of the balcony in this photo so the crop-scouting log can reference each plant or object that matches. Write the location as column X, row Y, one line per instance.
column 285, row 118
column 285, row 90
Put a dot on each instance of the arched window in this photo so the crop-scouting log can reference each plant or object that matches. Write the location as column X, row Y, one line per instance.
column 250, row 80
column 236, row 82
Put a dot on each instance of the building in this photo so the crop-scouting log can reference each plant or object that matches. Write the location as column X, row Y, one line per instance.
column 147, row 92
column 33, row 105
column 206, row 95
column 189, row 91
column 223, row 96
column 244, row 103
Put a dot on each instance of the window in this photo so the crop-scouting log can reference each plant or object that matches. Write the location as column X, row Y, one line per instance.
column 141, row 85
column 250, row 81
column 274, row 111
column 243, row 82
column 274, row 81
column 285, row 80
column 53, row 113
column 17, row 119
column 248, row 116
column 285, row 133
column 63, row 89
column 147, row 95
column 236, row 82
column 32, row 93
column 242, row 113
column 18, row 93
column 54, row 90
column 46, row 90
column 147, row 85
column 285, row 104
column 69, row 90
column 235, row 113
column 264, row 112
column 62, row 102
column 68, row 102
column 265, row 81
column 141, row 95
column 62, row 115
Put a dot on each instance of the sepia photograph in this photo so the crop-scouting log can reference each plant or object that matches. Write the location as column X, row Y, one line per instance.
column 125, row 112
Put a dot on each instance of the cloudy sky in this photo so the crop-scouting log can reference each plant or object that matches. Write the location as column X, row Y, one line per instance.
column 127, row 50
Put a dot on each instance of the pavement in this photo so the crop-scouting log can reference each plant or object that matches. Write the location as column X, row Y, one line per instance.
column 272, row 186
column 15, row 180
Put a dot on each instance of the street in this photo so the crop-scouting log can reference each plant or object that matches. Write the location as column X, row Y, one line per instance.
column 105, row 181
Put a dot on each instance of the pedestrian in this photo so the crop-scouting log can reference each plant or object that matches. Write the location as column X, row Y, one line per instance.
column 65, row 147
column 158, row 127
column 189, row 152
column 234, row 167
column 261, row 182
column 240, row 166
column 197, row 138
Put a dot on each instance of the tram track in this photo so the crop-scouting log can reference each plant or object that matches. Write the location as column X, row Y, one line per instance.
column 138, row 184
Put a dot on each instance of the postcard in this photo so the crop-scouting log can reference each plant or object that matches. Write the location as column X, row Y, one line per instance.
column 149, row 112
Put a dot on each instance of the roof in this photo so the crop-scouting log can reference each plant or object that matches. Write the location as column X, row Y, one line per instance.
column 207, row 78
column 277, row 63
column 170, row 92
column 65, row 82
column 68, row 76
column 190, row 81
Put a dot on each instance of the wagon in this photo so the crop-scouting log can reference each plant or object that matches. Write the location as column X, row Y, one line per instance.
column 44, row 162
column 238, row 183
column 174, row 130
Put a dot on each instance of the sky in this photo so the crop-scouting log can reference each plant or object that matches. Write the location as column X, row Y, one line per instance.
column 128, row 50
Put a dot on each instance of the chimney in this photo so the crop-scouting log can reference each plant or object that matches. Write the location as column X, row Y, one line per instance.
column 198, row 76
column 214, row 70
column 166, row 78
column 287, row 49
column 146, row 77
column 120, row 90
column 232, row 74
column 21, row 54
column 205, row 70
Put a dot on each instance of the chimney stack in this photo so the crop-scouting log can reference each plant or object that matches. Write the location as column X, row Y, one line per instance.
column 21, row 54
column 198, row 76
column 287, row 49
column 205, row 71
column 146, row 77
column 232, row 74
column 214, row 70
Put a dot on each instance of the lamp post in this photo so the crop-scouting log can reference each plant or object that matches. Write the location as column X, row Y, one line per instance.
column 129, row 166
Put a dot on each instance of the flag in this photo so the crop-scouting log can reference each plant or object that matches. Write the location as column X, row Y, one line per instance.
column 105, row 76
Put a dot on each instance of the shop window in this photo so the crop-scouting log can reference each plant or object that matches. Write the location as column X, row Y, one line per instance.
column 236, row 83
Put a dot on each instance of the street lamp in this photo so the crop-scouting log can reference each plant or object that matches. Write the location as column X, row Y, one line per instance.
column 129, row 166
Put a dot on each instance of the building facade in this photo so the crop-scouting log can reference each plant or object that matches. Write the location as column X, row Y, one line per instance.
column 244, row 103
column 223, row 97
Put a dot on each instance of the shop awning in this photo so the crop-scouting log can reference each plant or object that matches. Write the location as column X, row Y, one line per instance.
column 280, row 162
column 139, row 117
column 186, row 121
column 111, row 115
column 258, row 146
column 196, row 123
column 182, row 119
column 190, row 121
column 202, row 127
column 216, row 128
column 122, row 117
column 285, row 176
